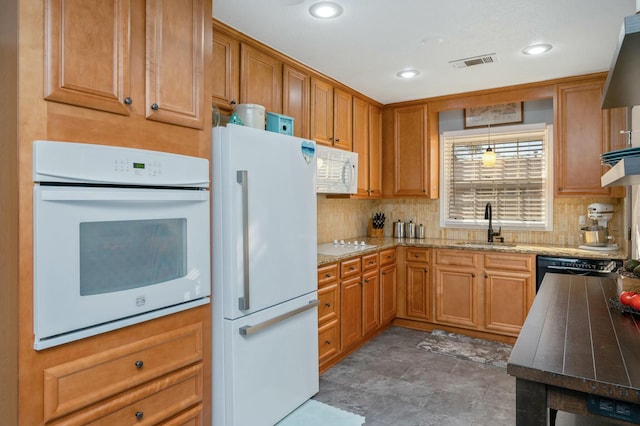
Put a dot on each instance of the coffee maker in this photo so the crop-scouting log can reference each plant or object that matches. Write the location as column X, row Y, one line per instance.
column 596, row 235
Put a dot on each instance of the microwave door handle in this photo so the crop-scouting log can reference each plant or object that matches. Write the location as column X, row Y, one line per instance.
column 242, row 177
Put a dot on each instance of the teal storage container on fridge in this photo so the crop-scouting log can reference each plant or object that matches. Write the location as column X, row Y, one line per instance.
column 279, row 123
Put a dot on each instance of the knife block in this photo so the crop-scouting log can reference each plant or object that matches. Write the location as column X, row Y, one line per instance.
column 374, row 233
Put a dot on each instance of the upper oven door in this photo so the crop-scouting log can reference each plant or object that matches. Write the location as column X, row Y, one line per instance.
column 104, row 254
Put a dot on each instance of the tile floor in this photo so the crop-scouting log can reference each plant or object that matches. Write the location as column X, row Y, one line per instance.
column 391, row 383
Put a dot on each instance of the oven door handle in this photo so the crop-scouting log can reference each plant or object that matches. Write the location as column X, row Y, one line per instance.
column 113, row 195
column 242, row 176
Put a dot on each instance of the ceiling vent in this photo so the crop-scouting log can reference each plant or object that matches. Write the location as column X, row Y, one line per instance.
column 474, row 60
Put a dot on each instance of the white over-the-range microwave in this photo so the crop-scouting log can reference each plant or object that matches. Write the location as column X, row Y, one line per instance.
column 121, row 236
column 336, row 171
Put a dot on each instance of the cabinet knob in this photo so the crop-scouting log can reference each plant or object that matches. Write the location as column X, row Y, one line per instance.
column 366, row 281
column 559, row 188
column 233, row 102
column 327, row 342
column 426, row 270
column 154, row 106
column 473, row 275
column 416, row 255
column 139, row 415
column 328, row 276
column 486, row 276
column 139, row 364
column 351, row 268
column 328, row 305
column 338, row 140
column 128, row 100
column 371, row 262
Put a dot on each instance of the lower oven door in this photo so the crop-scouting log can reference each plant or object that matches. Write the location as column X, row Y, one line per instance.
column 109, row 257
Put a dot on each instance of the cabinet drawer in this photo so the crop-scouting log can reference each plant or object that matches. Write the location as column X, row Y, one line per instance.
column 149, row 404
column 327, row 274
column 329, row 306
column 457, row 258
column 349, row 268
column 82, row 382
column 328, row 341
column 370, row 262
column 415, row 254
column 509, row 261
column 388, row 257
column 193, row 417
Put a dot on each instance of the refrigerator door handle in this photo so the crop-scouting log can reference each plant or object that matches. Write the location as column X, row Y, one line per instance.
column 248, row 330
column 242, row 177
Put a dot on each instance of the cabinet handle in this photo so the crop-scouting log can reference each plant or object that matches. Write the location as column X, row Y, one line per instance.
column 426, row 270
column 139, row 415
column 327, row 342
column 473, row 275
column 417, row 255
column 154, row 106
column 328, row 305
column 139, row 364
column 559, row 188
column 233, row 102
column 486, row 276
column 338, row 140
column 366, row 281
column 328, row 276
column 351, row 268
column 128, row 100
column 371, row 262
column 384, row 273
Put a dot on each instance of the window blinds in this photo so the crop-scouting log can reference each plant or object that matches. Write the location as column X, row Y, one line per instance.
column 517, row 186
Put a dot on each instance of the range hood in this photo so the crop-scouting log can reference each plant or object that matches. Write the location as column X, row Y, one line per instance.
column 625, row 172
column 622, row 88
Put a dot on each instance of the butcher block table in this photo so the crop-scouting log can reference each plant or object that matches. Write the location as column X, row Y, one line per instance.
column 577, row 354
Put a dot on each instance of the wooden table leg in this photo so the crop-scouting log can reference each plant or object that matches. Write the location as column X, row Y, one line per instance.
column 531, row 403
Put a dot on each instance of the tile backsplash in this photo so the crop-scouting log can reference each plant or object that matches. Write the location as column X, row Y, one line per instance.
column 341, row 218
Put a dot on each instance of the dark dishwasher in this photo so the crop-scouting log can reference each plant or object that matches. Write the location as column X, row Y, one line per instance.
column 575, row 266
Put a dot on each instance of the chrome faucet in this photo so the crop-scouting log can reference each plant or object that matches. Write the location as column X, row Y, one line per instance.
column 488, row 215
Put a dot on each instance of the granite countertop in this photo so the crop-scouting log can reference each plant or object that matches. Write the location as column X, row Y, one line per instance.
column 538, row 249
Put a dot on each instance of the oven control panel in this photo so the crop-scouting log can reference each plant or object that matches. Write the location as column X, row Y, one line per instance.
column 80, row 163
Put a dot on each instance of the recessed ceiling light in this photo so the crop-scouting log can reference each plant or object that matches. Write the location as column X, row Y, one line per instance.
column 408, row 73
column 325, row 10
column 536, row 49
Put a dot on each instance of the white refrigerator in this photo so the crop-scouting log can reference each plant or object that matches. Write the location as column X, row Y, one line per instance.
column 264, row 272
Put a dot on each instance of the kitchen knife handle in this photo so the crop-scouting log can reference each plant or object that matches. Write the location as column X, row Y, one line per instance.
column 242, row 177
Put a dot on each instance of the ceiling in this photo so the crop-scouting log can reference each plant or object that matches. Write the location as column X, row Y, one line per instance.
column 372, row 40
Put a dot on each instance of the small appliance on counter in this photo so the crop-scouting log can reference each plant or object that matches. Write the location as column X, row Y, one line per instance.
column 596, row 236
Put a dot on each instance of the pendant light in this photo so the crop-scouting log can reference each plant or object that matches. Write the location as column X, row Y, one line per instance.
column 489, row 156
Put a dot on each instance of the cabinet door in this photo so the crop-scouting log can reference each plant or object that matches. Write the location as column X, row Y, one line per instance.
column 260, row 79
column 581, row 139
column 375, row 152
column 350, row 311
column 361, row 143
column 506, row 300
column 418, row 291
column 370, row 302
column 456, row 296
column 87, row 53
column 342, row 120
column 175, row 88
column 321, row 112
column 295, row 99
column 618, row 139
column 226, row 70
column 388, row 293
column 410, row 151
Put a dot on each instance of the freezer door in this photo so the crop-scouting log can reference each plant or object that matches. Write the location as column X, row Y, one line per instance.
column 264, row 219
column 271, row 363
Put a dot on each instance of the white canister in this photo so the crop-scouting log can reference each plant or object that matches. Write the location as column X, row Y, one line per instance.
column 252, row 115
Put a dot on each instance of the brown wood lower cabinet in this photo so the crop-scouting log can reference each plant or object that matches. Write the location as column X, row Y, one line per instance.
column 357, row 299
column 417, row 283
column 149, row 381
column 483, row 291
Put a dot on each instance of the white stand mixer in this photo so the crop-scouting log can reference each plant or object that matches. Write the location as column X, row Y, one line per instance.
column 596, row 236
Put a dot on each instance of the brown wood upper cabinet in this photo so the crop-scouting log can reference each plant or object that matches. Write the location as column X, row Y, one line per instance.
column 226, row 70
column 583, row 132
column 260, row 78
column 296, row 87
column 408, row 160
column 91, row 47
column 367, row 142
column 331, row 115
